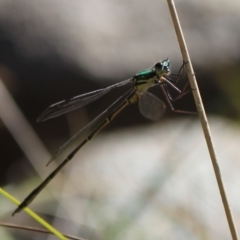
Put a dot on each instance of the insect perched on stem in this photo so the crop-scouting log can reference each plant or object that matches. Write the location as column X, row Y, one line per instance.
column 150, row 106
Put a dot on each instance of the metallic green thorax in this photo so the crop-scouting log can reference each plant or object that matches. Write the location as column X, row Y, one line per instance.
column 151, row 77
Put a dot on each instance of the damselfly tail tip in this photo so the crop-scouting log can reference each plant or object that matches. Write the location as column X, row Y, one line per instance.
column 18, row 209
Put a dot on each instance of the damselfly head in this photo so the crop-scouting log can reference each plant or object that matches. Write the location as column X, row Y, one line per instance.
column 163, row 68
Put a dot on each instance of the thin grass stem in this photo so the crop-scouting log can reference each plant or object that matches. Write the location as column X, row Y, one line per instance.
column 34, row 215
column 202, row 116
column 35, row 229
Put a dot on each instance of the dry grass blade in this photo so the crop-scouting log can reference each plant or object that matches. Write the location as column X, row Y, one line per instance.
column 34, row 229
column 202, row 116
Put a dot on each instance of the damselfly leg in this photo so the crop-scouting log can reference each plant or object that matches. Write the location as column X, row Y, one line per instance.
column 168, row 83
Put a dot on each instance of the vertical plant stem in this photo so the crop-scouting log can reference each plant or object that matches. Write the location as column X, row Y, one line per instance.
column 202, row 116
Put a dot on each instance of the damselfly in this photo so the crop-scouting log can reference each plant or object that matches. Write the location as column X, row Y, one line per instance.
column 150, row 106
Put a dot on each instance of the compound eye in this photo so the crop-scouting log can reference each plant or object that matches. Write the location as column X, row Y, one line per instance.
column 158, row 66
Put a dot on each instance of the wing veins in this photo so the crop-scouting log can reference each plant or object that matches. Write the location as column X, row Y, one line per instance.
column 68, row 105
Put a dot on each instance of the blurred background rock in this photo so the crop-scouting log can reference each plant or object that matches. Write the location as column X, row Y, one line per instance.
column 54, row 50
